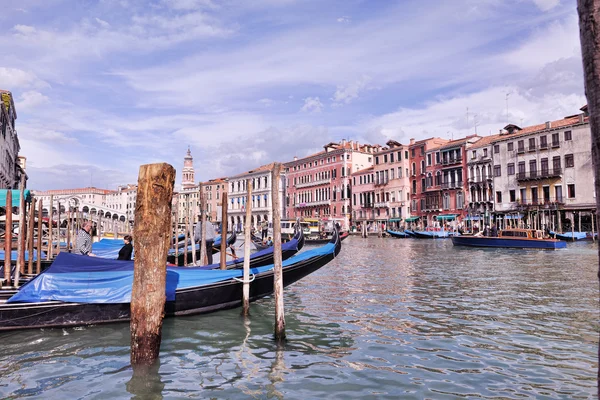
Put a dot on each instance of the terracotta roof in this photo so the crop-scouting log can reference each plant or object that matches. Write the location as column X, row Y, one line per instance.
column 486, row 140
column 558, row 124
column 72, row 191
column 362, row 171
column 458, row 142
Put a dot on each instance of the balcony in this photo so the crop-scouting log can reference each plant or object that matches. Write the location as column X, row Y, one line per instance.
column 313, row 183
column 381, row 182
column 547, row 203
column 314, row 204
column 452, row 185
column 385, row 204
column 543, row 174
column 452, row 161
column 532, row 148
column 480, row 180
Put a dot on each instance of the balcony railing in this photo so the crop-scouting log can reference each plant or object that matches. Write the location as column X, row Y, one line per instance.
column 452, row 185
column 480, row 179
column 380, row 182
column 385, row 204
column 542, row 174
column 547, row 202
column 450, row 161
column 314, row 183
column 314, row 203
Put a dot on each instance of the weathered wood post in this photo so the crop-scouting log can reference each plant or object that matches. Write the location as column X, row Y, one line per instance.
column 186, row 233
column 40, row 235
column 22, row 233
column 50, row 227
column 592, row 215
column 579, row 215
column 223, row 259
column 69, row 223
column 31, row 226
column 152, row 235
column 203, row 258
column 247, row 241
column 191, row 230
column 277, row 265
column 100, row 225
column 8, row 238
column 58, row 235
column 589, row 33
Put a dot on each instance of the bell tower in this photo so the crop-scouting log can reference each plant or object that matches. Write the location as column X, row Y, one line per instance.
column 188, row 170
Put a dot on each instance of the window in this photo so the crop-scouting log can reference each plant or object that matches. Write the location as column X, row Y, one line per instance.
column 544, row 166
column 521, row 146
column 531, row 144
column 474, row 154
column 377, row 160
column 485, row 152
column 543, row 142
column 446, row 201
column 567, row 135
column 569, row 161
column 510, row 169
column 428, row 159
column 555, row 140
column 385, row 158
column 498, row 197
column 437, row 157
column 422, row 150
column 523, row 195
column 558, row 193
column 571, row 190
column 533, row 168
column 400, row 156
column 406, row 155
column 556, row 163
column 509, row 146
column 496, row 148
column 412, row 153
column 497, row 170
column 391, row 157
column 513, row 195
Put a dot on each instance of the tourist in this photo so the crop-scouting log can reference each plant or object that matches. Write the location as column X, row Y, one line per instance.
column 210, row 238
column 269, row 241
column 494, row 231
column 126, row 250
column 84, row 240
column 265, row 229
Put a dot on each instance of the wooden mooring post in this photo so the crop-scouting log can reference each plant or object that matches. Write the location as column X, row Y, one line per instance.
column 152, row 235
column 277, row 264
column 8, row 239
column 50, row 228
column 20, row 269
column 223, row 259
column 203, row 249
column 190, row 228
column 40, row 236
column 186, row 237
column 30, row 232
column 247, row 243
column 69, row 223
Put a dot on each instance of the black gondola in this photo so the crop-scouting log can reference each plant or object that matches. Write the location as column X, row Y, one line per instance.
column 191, row 300
column 317, row 242
column 215, row 249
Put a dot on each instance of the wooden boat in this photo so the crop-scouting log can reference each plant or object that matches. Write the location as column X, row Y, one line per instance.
column 179, row 257
column 511, row 238
column 314, row 242
column 185, row 296
column 410, row 233
column 434, row 234
column 258, row 243
column 573, row 236
column 398, row 234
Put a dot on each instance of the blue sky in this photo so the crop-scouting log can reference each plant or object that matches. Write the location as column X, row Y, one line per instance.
column 104, row 86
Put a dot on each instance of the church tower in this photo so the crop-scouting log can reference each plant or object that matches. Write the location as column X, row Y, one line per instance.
column 188, row 171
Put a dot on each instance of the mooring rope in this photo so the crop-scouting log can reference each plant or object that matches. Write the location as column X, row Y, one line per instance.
column 243, row 281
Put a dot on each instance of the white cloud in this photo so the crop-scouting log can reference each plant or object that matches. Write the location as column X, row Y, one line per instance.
column 14, row 78
column 24, row 29
column 312, row 105
column 102, row 23
column 546, row 5
column 266, row 102
column 30, row 100
column 345, row 94
column 344, row 20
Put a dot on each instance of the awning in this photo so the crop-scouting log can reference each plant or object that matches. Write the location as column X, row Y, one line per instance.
column 16, row 197
column 518, row 216
column 395, row 219
column 472, row 218
column 411, row 219
column 446, row 217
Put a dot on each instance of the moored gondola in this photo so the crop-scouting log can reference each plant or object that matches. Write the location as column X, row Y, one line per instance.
column 189, row 291
column 178, row 258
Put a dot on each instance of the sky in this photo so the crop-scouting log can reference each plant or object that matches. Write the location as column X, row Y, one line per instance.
column 104, row 86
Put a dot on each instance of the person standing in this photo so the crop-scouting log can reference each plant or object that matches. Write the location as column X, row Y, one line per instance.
column 265, row 229
column 126, row 250
column 84, row 240
column 210, row 238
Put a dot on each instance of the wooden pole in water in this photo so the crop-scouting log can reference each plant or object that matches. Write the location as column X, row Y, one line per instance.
column 191, row 230
column 8, row 238
column 152, row 235
column 50, row 220
column 186, row 232
column 22, row 232
column 579, row 215
column 203, row 249
column 58, row 235
column 223, row 260
column 592, row 215
column 573, row 226
column 277, row 264
column 31, row 226
column 40, row 228
column 69, row 223
column 247, row 241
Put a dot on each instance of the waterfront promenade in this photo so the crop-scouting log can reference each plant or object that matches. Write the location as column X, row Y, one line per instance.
column 387, row 319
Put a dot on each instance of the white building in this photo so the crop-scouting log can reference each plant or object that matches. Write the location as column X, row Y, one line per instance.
column 10, row 168
column 261, row 196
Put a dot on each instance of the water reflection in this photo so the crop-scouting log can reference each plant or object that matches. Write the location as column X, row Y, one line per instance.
column 146, row 383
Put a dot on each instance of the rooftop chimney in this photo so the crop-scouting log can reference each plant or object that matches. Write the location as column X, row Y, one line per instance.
column 295, row 158
column 412, row 140
column 343, row 142
column 548, row 124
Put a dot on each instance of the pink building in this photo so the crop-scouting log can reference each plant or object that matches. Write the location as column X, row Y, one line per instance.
column 363, row 197
column 318, row 186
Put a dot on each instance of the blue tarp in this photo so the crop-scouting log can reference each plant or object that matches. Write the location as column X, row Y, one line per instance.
column 83, row 279
column 108, row 248
column 13, row 255
column 16, row 197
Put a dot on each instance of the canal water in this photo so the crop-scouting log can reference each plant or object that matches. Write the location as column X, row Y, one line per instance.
column 389, row 318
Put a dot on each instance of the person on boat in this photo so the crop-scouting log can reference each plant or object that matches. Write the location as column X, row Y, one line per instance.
column 126, row 250
column 84, row 240
column 269, row 241
column 210, row 237
column 265, row 229
column 494, row 231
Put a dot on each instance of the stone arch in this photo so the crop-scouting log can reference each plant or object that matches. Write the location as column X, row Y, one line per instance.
column 122, row 218
column 85, row 209
column 107, row 215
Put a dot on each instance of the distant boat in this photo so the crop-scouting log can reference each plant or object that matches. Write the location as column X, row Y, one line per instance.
column 573, row 236
column 398, row 234
column 434, row 234
column 410, row 233
column 327, row 239
column 511, row 238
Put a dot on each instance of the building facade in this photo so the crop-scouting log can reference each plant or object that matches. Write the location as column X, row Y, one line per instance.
column 480, row 177
column 363, row 197
column 261, row 200
column 318, row 186
column 10, row 168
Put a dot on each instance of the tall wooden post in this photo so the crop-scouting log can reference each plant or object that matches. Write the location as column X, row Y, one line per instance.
column 8, row 238
column 203, row 249
column 592, row 216
column 186, row 237
column 277, row 264
column 152, row 235
column 40, row 235
column 58, row 235
column 223, row 259
column 20, row 269
column 579, row 215
column 589, row 33
column 190, row 228
column 69, row 223
column 51, row 227
column 247, row 242
column 31, row 226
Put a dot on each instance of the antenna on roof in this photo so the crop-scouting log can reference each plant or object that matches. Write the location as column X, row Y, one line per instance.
column 506, row 98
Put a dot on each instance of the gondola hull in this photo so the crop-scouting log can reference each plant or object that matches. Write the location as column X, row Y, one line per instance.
column 320, row 242
column 188, row 301
column 180, row 257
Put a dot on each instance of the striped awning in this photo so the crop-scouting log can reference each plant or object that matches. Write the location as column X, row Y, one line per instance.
column 446, row 217
column 411, row 219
